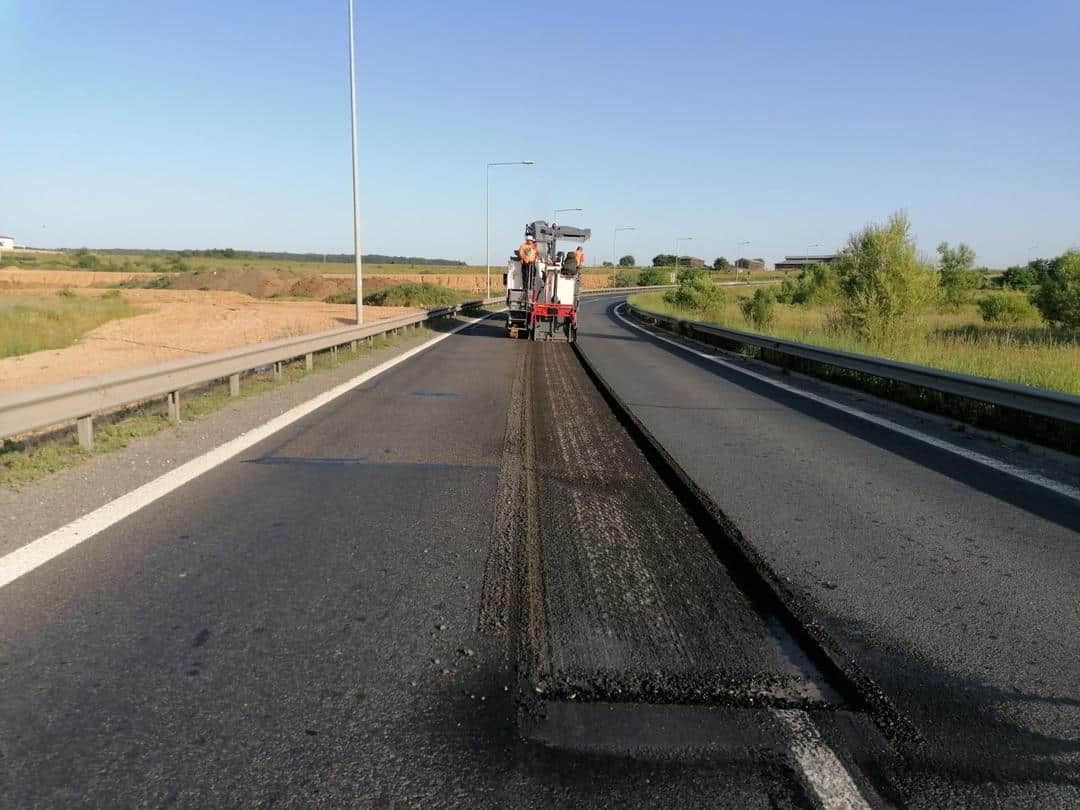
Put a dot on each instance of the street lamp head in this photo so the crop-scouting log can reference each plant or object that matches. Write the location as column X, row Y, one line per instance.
column 528, row 162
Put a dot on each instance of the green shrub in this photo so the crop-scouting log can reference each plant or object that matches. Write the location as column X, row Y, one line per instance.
column 110, row 294
column 404, row 295
column 957, row 277
column 651, row 276
column 759, row 309
column 883, row 284
column 1020, row 277
column 695, row 292
column 1058, row 297
column 65, row 292
column 627, row 261
column 85, row 260
column 627, row 278
column 816, row 284
column 1004, row 309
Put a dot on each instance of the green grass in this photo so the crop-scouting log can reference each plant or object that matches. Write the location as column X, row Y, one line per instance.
column 1028, row 353
column 36, row 323
column 27, row 461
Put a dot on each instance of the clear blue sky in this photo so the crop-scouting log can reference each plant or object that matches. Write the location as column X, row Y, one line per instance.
column 199, row 123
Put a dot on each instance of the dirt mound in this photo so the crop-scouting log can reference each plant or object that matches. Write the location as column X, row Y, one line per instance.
column 256, row 283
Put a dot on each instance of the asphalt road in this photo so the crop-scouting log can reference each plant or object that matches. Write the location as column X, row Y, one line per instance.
column 299, row 627
column 328, row 620
column 953, row 586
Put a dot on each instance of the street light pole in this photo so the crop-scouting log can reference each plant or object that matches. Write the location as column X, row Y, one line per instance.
column 737, row 246
column 355, row 177
column 487, row 206
column 555, row 218
column 615, row 253
column 680, row 239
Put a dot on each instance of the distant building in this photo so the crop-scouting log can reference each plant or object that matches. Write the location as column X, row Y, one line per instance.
column 799, row 262
column 691, row 261
column 750, row 264
column 7, row 242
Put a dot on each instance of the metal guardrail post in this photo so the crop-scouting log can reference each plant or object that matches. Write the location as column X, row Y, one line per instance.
column 309, row 361
column 173, row 400
column 234, row 385
column 85, row 428
column 277, row 370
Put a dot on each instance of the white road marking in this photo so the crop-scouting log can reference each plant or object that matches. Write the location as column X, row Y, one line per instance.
column 822, row 772
column 38, row 552
column 1027, row 476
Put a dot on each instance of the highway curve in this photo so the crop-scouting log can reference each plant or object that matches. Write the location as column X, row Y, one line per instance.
column 437, row 591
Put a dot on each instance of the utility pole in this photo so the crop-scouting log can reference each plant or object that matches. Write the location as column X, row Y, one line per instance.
column 487, row 206
column 680, row 239
column 355, row 177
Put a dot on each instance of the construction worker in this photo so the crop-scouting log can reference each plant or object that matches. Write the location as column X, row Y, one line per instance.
column 529, row 254
column 579, row 255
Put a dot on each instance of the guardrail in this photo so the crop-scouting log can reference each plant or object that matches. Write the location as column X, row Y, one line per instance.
column 1063, row 410
column 78, row 401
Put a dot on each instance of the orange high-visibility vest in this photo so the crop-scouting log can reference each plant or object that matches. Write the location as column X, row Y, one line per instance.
column 579, row 254
column 527, row 252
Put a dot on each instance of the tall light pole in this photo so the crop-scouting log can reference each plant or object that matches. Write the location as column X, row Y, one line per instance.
column 736, row 263
column 808, row 249
column 487, row 206
column 558, row 211
column 355, row 177
column 680, row 239
column 614, row 252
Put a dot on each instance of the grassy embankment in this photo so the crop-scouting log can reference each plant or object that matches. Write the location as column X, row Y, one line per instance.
column 27, row 461
column 36, row 323
column 1029, row 353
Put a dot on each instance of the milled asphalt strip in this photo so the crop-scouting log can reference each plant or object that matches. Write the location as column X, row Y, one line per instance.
column 38, row 552
column 824, row 775
column 1027, row 476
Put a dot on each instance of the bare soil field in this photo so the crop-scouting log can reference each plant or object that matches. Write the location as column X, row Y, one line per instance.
column 177, row 323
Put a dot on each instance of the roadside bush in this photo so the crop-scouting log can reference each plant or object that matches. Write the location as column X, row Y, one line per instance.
column 1058, row 297
column 85, row 260
column 1020, row 277
column 759, row 309
column 696, row 291
column 1004, row 309
column 651, row 276
column 65, row 292
column 957, row 277
column 816, row 284
column 627, row 278
column 721, row 264
column 408, row 295
column 883, row 284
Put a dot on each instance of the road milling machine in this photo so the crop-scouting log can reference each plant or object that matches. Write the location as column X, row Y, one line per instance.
column 542, row 299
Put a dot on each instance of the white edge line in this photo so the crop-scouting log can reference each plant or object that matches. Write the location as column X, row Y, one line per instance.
column 1056, row 487
column 822, row 771
column 38, row 552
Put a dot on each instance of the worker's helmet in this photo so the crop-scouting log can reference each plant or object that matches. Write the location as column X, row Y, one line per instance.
column 530, row 239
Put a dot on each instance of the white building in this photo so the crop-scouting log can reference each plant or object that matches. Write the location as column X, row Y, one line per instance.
column 7, row 242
